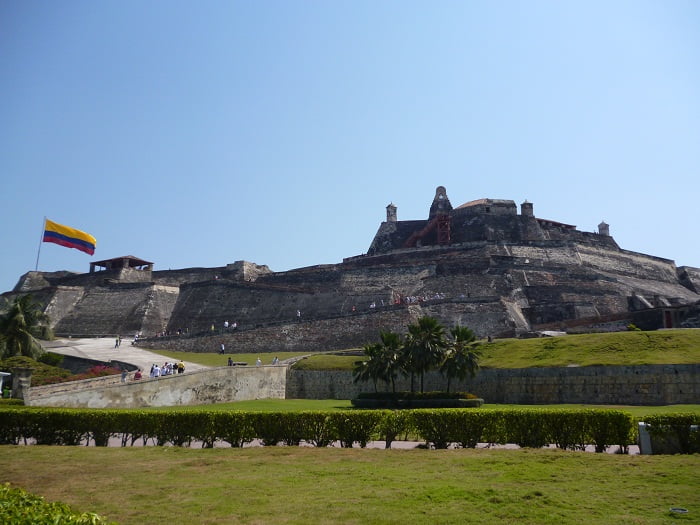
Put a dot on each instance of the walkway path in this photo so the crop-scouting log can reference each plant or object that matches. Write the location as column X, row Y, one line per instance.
column 102, row 349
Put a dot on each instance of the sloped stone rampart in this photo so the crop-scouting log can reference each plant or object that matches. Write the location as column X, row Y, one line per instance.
column 312, row 336
column 217, row 385
column 118, row 309
column 339, row 333
column 607, row 385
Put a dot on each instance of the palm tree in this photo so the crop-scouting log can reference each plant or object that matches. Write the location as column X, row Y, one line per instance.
column 461, row 360
column 425, row 347
column 392, row 357
column 368, row 370
column 383, row 361
column 20, row 326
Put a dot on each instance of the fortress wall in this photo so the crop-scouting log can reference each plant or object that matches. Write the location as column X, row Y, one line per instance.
column 250, row 305
column 378, row 282
column 273, row 300
column 312, row 336
column 105, row 310
column 218, row 385
column 157, row 310
column 607, row 385
column 552, row 255
column 629, row 263
column 62, row 302
column 312, row 278
column 186, row 275
column 31, row 281
column 485, row 317
column 690, row 277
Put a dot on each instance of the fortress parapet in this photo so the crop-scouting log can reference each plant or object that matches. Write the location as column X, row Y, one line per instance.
column 478, row 220
column 125, row 269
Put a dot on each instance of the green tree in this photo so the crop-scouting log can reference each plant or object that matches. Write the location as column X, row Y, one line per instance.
column 424, row 348
column 20, row 326
column 392, row 357
column 384, row 361
column 368, row 369
column 461, row 358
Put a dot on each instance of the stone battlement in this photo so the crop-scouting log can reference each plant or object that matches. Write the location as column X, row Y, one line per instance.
column 493, row 269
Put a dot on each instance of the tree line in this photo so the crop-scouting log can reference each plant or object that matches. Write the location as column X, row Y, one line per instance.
column 425, row 347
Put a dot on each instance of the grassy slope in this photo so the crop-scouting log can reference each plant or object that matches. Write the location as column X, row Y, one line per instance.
column 620, row 348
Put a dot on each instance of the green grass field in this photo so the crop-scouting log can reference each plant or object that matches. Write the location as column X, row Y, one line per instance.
column 301, row 485
column 618, row 348
column 297, row 485
column 215, row 359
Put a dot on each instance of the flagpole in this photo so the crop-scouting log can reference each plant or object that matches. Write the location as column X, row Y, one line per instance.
column 41, row 239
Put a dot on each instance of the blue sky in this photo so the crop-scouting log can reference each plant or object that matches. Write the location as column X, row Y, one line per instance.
column 201, row 133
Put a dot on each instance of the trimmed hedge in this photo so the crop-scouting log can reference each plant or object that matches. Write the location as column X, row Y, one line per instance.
column 441, row 428
column 682, row 430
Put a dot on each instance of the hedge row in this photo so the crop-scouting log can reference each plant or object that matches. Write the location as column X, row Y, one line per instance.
column 682, row 430
column 567, row 429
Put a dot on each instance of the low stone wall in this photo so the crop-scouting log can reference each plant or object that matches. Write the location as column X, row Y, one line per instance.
column 608, row 385
column 605, row 385
column 216, row 385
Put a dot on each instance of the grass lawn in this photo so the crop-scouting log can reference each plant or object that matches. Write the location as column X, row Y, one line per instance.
column 293, row 485
column 216, row 359
column 619, row 348
column 267, row 405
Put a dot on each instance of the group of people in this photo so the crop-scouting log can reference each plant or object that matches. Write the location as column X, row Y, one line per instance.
column 167, row 369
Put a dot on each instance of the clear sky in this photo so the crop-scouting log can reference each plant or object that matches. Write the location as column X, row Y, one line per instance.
column 202, row 133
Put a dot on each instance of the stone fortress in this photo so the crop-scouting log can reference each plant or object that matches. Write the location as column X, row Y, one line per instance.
column 482, row 265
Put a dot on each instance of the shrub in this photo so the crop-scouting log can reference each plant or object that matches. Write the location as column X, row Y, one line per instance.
column 51, row 359
column 22, row 508
column 608, row 427
column 567, row 429
column 435, row 426
column 317, row 429
column 355, row 427
column 392, row 424
column 236, row 428
column 526, row 428
column 469, row 427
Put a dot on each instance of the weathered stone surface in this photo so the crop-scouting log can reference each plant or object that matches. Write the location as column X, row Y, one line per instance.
column 606, row 385
column 499, row 272
column 215, row 385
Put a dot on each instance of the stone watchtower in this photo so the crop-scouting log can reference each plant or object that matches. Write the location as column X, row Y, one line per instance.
column 441, row 204
column 526, row 209
column 391, row 213
column 604, row 229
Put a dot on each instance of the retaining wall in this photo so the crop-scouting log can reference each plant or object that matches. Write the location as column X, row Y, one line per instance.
column 215, row 385
column 605, row 385
column 608, row 385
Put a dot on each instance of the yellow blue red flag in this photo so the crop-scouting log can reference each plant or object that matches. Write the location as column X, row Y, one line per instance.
column 69, row 237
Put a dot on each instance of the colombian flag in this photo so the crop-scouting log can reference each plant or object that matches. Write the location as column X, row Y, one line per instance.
column 69, row 237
